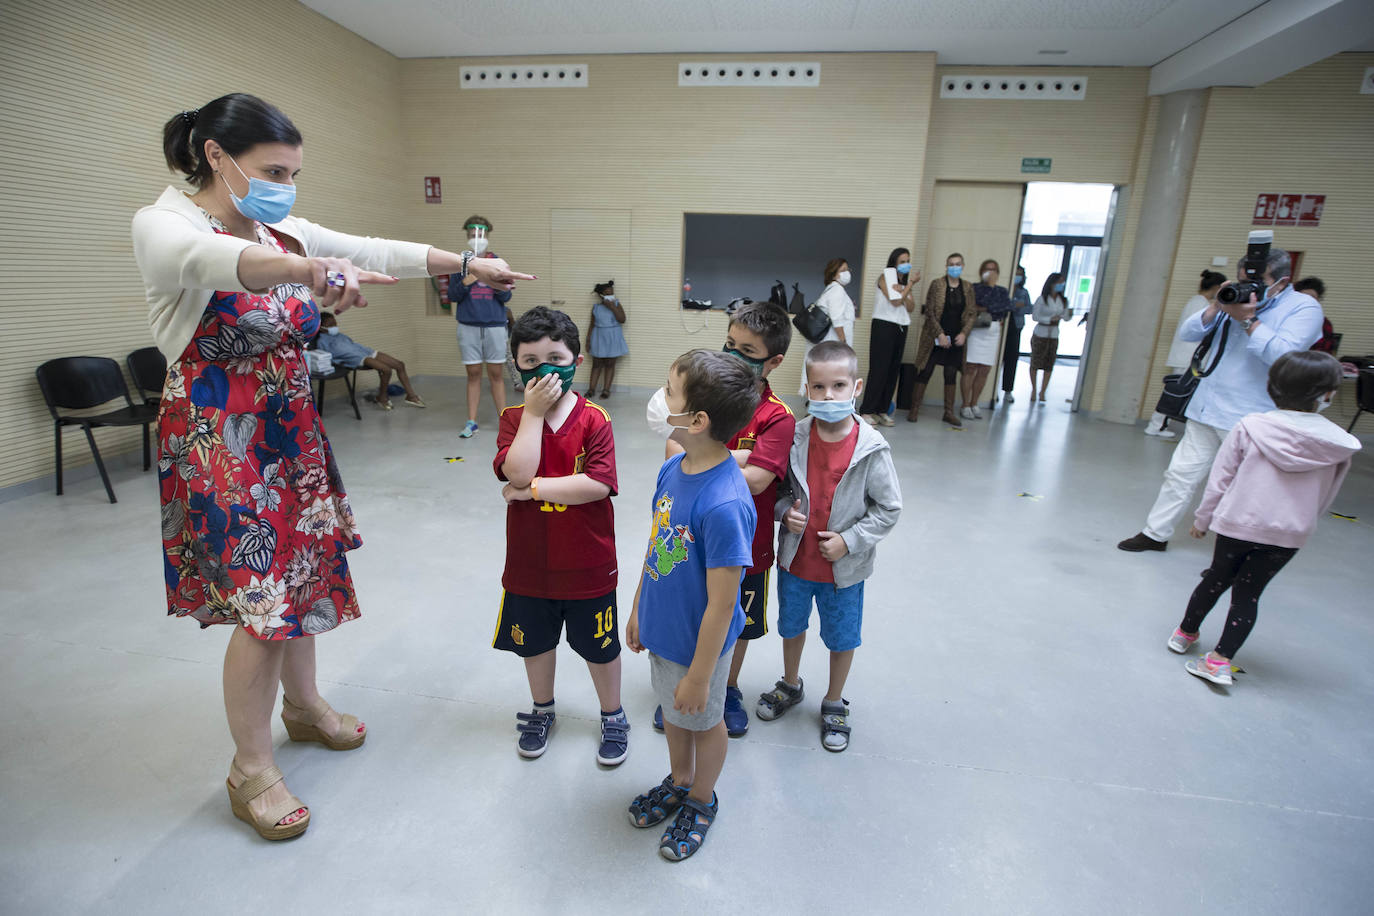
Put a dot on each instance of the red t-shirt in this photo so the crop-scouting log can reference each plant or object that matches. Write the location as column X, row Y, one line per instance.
column 552, row 550
column 826, row 463
column 768, row 437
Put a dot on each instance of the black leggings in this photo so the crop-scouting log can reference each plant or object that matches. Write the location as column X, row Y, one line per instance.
column 1011, row 356
column 886, row 341
column 1245, row 568
column 952, row 358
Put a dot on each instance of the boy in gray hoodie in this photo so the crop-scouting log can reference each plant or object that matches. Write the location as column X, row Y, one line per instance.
column 840, row 499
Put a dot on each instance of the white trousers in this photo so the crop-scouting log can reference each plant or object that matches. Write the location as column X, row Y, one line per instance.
column 1188, row 470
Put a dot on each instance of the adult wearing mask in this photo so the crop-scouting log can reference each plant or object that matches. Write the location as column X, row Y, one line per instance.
column 255, row 522
column 1315, row 288
column 1011, row 349
column 1181, row 351
column 892, row 308
column 993, row 304
column 949, row 312
column 836, row 303
column 1048, row 311
column 482, row 327
column 606, row 338
column 1257, row 333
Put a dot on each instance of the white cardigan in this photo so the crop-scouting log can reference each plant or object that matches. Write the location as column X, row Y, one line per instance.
column 184, row 261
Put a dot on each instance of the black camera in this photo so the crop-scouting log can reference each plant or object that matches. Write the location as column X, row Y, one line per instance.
column 1251, row 281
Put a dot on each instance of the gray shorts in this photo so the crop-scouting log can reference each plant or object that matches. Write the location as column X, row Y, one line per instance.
column 482, row 345
column 665, row 675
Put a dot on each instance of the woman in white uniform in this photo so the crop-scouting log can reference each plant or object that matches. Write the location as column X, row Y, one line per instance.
column 837, row 304
column 1181, row 351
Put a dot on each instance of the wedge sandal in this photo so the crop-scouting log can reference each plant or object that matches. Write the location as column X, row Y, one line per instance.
column 268, row 824
column 307, row 726
column 654, row 806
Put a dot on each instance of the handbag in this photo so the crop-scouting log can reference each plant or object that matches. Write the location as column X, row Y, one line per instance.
column 983, row 319
column 778, row 294
column 813, row 323
column 798, row 303
column 1179, row 387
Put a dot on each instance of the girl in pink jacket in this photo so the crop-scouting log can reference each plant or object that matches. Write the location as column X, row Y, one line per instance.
column 1275, row 474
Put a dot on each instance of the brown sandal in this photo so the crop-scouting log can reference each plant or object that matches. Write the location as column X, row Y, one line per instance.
column 307, row 726
column 268, row 824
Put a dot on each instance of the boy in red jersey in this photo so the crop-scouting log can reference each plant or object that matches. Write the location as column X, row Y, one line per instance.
column 557, row 452
column 759, row 333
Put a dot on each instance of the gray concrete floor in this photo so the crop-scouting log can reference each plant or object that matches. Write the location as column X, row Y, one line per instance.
column 1023, row 741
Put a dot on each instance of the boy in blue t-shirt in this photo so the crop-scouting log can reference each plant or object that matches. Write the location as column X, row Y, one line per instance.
column 686, row 610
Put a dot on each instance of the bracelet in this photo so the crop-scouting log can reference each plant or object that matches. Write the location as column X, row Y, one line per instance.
column 534, row 488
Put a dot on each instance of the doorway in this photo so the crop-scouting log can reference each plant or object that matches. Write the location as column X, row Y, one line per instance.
column 1064, row 227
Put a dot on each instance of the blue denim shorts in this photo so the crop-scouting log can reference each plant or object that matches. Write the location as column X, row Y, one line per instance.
column 841, row 610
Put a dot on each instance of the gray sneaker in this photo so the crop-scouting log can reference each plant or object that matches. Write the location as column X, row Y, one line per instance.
column 781, row 698
column 1181, row 642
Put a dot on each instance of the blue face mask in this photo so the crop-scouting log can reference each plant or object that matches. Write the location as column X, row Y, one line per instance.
column 1059, row 287
column 954, row 271
column 1020, row 281
column 754, row 364
column 904, row 269
column 266, row 201
column 830, row 411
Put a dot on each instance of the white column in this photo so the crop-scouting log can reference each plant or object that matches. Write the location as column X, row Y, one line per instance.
column 1178, row 130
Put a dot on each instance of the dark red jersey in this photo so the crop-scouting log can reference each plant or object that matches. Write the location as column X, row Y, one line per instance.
column 768, row 437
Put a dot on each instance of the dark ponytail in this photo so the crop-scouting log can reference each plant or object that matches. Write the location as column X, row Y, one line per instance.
column 237, row 122
column 1211, row 278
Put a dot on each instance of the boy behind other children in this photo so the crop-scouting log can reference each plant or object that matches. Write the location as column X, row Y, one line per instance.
column 759, row 333
column 557, row 451
column 843, row 499
column 687, row 611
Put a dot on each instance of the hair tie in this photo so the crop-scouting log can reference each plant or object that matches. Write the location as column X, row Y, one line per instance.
column 190, row 116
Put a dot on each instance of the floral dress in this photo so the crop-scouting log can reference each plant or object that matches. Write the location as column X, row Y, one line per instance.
column 255, row 522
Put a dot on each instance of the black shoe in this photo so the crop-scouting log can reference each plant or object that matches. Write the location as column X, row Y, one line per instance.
column 1142, row 542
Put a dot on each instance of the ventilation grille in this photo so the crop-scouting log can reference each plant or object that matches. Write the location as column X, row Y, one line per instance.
column 524, row 76
column 1058, row 88
column 744, row 73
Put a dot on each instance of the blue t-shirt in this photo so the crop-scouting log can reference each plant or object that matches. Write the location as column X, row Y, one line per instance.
column 701, row 521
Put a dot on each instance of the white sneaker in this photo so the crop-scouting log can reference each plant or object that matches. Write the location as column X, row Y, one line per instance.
column 967, row 413
column 1160, row 433
column 977, row 412
column 1009, row 398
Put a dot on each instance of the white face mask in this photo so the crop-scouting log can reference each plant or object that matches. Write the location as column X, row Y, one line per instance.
column 657, row 414
column 608, row 297
column 479, row 245
column 1322, row 404
column 843, row 278
column 333, row 329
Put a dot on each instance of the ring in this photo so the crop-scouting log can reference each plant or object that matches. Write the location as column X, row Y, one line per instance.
column 334, row 278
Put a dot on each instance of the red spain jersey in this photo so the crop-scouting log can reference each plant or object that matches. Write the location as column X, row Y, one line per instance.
column 552, row 550
column 768, row 437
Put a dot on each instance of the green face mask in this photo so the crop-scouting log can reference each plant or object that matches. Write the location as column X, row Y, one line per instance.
column 564, row 373
column 755, row 364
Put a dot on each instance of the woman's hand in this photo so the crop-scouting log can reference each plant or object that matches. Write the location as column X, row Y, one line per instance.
column 793, row 518
column 496, row 273
column 340, row 298
column 942, row 340
column 959, row 339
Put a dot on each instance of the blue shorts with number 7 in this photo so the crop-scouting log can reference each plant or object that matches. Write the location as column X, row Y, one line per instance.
column 841, row 610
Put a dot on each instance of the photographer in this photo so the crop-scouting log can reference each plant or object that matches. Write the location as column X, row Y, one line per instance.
column 1257, row 320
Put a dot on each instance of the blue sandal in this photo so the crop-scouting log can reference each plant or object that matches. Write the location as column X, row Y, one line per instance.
column 689, row 828
column 654, row 806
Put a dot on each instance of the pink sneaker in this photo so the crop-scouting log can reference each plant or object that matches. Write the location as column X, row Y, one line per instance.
column 1209, row 669
column 1181, row 642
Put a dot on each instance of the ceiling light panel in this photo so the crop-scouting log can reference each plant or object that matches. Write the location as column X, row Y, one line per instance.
column 1050, row 88
column 540, row 75
column 747, row 73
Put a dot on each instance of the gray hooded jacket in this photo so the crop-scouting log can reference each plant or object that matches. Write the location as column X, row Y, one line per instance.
column 864, row 509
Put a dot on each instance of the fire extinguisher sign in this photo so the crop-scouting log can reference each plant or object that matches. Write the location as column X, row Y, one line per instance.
column 433, row 195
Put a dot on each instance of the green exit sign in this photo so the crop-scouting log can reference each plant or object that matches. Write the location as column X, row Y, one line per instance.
column 1036, row 166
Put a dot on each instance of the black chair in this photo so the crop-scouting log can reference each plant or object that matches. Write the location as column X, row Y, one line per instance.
column 148, row 369
column 350, row 377
column 1364, row 396
column 83, row 382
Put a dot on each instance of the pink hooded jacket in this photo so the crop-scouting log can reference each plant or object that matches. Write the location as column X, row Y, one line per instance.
column 1275, row 474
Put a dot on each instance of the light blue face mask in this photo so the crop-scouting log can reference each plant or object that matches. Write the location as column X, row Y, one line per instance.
column 1059, row 287
column 904, row 269
column 954, row 271
column 266, row 201
column 830, row 411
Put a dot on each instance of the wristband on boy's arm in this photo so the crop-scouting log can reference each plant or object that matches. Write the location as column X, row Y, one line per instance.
column 534, row 488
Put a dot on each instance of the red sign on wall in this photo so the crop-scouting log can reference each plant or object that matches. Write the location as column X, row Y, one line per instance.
column 1266, row 205
column 433, row 195
column 1287, row 214
column 1310, row 210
